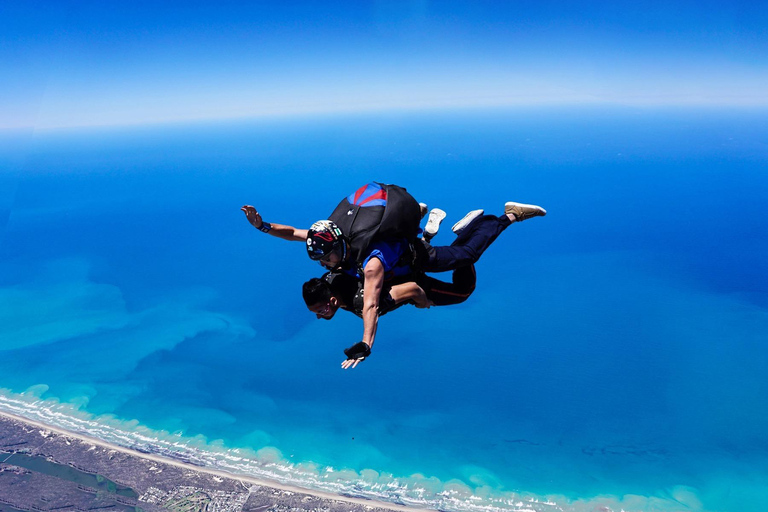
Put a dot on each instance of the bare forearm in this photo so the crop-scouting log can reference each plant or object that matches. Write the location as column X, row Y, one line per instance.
column 288, row 232
column 370, row 324
column 374, row 282
column 409, row 291
column 278, row 230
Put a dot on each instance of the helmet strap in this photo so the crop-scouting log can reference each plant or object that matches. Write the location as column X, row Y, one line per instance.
column 343, row 250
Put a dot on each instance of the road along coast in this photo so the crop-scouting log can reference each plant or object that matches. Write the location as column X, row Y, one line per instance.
column 45, row 468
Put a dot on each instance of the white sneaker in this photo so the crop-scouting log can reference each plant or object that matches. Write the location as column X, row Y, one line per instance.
column 436, row 216
column 468, row 218
column 423, row 209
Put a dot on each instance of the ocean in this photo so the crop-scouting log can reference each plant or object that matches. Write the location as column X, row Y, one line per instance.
column 613, row 355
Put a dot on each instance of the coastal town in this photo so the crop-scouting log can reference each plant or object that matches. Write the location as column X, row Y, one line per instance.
column 42, row 470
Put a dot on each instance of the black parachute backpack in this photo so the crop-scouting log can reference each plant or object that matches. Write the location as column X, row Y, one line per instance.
column 376, row 212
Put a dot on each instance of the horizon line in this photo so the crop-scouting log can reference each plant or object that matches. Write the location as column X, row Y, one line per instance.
column 401, row 107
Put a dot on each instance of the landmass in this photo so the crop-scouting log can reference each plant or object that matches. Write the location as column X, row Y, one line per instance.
column 45, row 469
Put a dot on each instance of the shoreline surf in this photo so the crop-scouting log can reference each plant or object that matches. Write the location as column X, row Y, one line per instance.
column 207, row 470
column 449, row 500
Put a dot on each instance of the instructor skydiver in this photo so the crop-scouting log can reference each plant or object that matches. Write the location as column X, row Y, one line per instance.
column 336, row 290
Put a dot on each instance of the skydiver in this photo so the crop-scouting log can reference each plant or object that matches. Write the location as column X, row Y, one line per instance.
column 326, row 244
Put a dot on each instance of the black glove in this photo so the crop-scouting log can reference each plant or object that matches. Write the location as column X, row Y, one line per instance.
column 357, row 351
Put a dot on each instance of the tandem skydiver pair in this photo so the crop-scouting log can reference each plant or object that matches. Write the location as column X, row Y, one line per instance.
column 377, row 262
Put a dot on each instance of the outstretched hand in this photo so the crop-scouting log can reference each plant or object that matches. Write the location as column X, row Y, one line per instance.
column 351, row 363
column 356, row 354
column 252, row 215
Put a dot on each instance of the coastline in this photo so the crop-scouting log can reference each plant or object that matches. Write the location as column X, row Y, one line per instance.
column 328, row 501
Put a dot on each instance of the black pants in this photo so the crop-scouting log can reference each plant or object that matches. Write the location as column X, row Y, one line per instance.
column 457, row 291
column 460, row 257
column 466, row 249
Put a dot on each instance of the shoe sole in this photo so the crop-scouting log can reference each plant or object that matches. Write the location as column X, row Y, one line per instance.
column 436, row 217
column 468, row 218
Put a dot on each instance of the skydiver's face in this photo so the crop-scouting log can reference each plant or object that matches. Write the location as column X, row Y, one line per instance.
column 325, row 310
column 331, row 260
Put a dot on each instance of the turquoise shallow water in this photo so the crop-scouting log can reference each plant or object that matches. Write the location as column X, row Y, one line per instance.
column 614, row 353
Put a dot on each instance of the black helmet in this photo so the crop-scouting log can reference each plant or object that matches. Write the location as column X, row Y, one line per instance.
column 323, row 238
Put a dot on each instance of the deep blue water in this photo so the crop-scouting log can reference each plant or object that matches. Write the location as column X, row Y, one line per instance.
column 616, row 347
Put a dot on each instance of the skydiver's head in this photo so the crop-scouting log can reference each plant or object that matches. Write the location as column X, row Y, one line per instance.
column 319, row 298
column 326, row 244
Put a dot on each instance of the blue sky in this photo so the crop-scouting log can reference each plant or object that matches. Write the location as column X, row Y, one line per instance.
column 67, row 64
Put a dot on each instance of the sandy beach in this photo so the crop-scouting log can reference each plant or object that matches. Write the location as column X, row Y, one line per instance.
column 32, row 435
